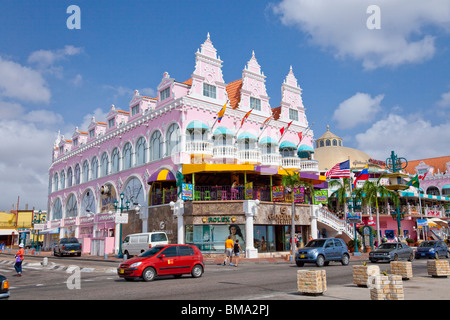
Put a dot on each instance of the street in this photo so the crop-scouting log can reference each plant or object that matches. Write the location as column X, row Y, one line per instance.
column 76, row 279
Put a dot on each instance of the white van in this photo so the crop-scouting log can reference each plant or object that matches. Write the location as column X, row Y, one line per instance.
column 135, row 244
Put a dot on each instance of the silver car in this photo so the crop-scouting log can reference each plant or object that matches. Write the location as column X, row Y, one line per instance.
column 392, row 251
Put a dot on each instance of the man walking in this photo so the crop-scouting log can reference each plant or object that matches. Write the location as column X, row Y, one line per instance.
column 229, row 245
column 19, row 260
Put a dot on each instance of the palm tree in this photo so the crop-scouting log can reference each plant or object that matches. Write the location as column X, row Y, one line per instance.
column 343, row 186
column 374, row 190
column 291, row 180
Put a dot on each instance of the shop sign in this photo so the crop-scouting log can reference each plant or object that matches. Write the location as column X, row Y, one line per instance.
column 321, row 196
column 299, row 195
column 249, row 191
column 282, row 217
column 69, row 222
column 219, row 219
column 55, row 224
column 354, row 217
column 277, row 193
column 187, row 191
column 104, row 218
column 39, row 226
column 422, row 223
column 121, row 218
column 86, row 220
column 433, row 213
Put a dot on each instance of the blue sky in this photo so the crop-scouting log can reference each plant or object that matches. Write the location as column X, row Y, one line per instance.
column 379, row 89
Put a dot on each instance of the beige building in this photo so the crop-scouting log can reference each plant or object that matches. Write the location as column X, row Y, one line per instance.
column 330, row 150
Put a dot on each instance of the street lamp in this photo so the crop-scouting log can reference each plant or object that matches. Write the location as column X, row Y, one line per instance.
column 397, row 183
column 122, row 209
column 354, row 204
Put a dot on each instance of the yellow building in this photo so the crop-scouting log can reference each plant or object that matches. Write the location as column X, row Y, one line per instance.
column 14, row 227
column 7, row 228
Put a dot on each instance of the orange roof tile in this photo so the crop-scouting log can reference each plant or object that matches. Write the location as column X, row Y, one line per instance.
column 121, row 111
column 438, row 163
column 188, row 82
column 103, row 123
column 234, row 93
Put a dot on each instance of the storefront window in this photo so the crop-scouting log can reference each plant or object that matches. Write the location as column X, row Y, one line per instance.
column 264, row 238
column 211, row 238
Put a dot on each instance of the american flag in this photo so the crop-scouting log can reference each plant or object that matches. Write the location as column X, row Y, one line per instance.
column 341, row 170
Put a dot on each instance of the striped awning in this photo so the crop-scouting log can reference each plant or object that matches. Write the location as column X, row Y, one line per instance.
column 288, row 144
column 161, row 175
column 196, row 124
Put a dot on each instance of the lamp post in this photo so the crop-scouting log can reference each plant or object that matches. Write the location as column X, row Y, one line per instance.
column 354, row 204
column 122, row 209
column 397, row 183
column 36, row 220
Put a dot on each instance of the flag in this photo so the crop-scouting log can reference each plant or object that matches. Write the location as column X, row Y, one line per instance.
column 341, row 170
column 282, row 130
column 414, row 182
column 364, row 175
column 423, row 177
column 221, row 112
column 300, row 137
column 245, row 117
column 265, row 122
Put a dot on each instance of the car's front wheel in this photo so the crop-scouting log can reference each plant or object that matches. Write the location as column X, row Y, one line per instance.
column 197, row 271
column 149, row 274
column 320, row 262
column 411, row 257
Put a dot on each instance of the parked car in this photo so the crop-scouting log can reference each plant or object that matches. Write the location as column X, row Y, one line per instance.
column 137, row 243
column 4, row 287
column 322, row 251
column 392, row 251
column 432, row 249
column 67, row 246
column 171, row 259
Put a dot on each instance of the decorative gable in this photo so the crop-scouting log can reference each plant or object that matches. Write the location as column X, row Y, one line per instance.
column 291, row 100
column 207, row 79
column 253, row 90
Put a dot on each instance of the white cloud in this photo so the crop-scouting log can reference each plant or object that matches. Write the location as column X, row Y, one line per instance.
column 45, row 58
column 358, row 109
column 444, row 102
column 341, row 26
column 22, row 83
column 98, row 114
column 410, row 137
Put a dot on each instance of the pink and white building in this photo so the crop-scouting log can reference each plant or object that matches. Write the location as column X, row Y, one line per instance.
column 175, row 132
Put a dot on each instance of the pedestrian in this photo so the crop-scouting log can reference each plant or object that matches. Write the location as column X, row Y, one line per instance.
column 229, row 244
column 237, row 250
column 19, row 260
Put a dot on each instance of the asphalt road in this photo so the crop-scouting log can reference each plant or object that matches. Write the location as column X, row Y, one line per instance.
column 97, row 280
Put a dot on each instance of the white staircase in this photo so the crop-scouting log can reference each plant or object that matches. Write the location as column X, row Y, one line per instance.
column 334, row 226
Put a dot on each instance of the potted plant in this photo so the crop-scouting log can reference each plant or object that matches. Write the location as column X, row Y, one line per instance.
column 351, row 245
column 410, row 242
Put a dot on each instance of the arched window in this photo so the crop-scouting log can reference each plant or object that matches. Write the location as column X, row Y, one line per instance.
column 62, row 179
column 77, row 174
column 94, row 168
column 57, row 209
column 156, row 146
column 69, row 177
column 105, row 164
column 85, row 171
column 141, row 148
column 115, row 161
column 72, row 207
column 334, row 143
column 321, row 143
column 55, row 182
column 127, row 158
column 172, row 139
column 328, row 143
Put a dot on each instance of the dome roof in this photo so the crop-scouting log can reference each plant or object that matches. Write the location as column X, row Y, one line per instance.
column 330, row 156
column 329, row 135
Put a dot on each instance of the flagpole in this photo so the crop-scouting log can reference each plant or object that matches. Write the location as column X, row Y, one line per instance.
column 284, row 133
column 264, row 128
column 217, row 117
column 304, row 134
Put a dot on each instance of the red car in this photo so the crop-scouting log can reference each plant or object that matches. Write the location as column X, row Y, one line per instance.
column 171, row 259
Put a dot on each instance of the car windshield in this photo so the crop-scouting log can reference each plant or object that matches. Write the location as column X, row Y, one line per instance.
column 69, row 240
column 151, row 252
column 315, row 244
column 388, row 246
column 427, row 244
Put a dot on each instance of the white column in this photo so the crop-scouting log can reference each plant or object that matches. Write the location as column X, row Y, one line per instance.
column 314, row 215
column 250, row 210
column 178, row 211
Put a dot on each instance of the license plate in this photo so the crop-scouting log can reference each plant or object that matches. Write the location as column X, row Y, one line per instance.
column 72, row 250
column 302, row 256
column 121, row 271
column 422, row 254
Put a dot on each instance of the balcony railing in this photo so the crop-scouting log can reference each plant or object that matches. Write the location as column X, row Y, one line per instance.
column 224, row 152
column 249, row 156
column 199, row 147
column 271, row 159
column 309, row 165
column 290, row 162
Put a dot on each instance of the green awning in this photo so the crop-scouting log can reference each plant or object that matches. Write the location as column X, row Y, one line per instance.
column 246, row 135
column 196, row 124
column 223, row 130
column 267, row 140
column 288, row 144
